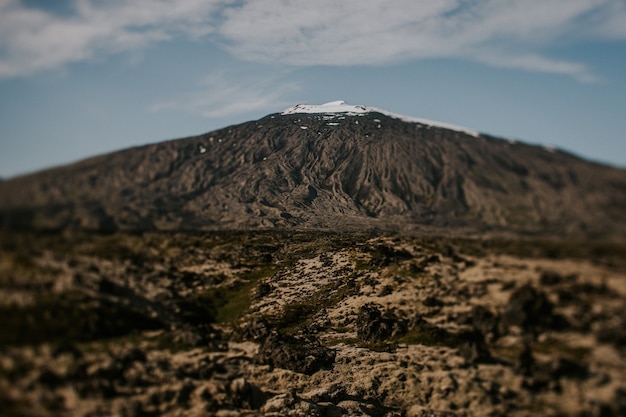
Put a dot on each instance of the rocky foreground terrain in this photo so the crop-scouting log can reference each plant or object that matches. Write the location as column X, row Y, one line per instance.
column 310, row 324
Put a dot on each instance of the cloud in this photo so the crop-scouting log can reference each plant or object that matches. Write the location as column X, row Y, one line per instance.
column 538, row 63
column 32, row 39
column 358, row 32
column 224, row 93
column 504, row 33
column 327, row 32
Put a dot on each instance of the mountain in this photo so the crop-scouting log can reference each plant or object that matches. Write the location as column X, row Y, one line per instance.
column 327, row 311
column 333, row 166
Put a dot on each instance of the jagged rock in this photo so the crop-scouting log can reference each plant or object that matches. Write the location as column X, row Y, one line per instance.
column 614, row 331
column 483, row 320
column 383, row 254
column 374, row 326
column 289, row 404
column 262, row 290
column 551, row 278
column 386, row 290
column 246, row 395
column 431, row 301
column 530, row 310
column 473, row 348
column 563, row 367
column 320, row 321
column 525, row 361
column 301, row 353
column 203, row 335
column 257, row 329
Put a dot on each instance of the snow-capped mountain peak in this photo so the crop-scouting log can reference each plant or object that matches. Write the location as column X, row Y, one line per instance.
column 338, row 106
column 342, row 107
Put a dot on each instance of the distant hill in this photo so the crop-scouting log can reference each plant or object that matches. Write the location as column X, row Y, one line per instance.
column 333, row 166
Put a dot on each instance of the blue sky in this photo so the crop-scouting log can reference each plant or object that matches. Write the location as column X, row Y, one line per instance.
column 83, row 77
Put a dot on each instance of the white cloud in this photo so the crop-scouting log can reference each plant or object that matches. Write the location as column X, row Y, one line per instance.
column 33, row 40
column 353, row 32
column 225, row 94
column 610, row 21
column 516, row 33
column 327, row 32
column 532, row 62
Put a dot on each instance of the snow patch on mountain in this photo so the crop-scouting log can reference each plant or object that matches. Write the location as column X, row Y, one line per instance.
column 331, row 107
column 344, row 108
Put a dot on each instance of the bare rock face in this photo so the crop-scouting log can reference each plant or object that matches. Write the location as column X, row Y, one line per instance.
column 326, row 171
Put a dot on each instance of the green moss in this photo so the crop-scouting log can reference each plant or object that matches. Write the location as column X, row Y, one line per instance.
column 258, row 273
column 298, row 316
column 380, row 346
column 427, row 334
column 225, row 304
column 295, row 316
column 361, row 265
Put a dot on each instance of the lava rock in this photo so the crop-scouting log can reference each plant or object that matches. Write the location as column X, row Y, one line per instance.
column 262, row 290
column 531, row 311
column 302, row 353
column 256, row 329
column 246, row 395
column 374, row 326
column 473, row 348
column 483, row 320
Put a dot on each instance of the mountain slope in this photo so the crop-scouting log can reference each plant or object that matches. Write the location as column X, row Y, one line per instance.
column 337, row 167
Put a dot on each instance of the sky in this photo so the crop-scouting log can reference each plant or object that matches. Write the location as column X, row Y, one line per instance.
column 80, row 78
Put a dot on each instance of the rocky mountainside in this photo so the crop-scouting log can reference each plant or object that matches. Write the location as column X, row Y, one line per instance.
column 326, row 167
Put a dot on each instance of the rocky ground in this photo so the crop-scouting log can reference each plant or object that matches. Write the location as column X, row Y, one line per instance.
column 310, row 324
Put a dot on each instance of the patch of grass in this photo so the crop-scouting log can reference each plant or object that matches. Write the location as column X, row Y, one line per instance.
column 428, row 334
column 297, row 316
column 225, row 304
column 404, row 273
column 256, row 274
column 380, row 346
column 361, row 265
